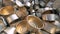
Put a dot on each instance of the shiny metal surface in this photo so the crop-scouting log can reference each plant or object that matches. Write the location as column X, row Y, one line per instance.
column 22, row 12
column 50, row 17
column 55, row 31
column 48, row 27
column 3, row 24
column 28, row 4
column 35, row 22
column 10, row 30
column 29, row 17
column 57, row 23
column 7, row 10
column 19, row 3
column 12, row 18
column 22, row 27
column 3, row 21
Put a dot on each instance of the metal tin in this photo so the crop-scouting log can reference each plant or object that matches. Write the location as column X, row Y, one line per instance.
column 12, row 18
column 22, row 12
column 50, row 17
column 47, row 10
column 2, row 25
column 7, row 10
column 22, row 27
column 35, row 22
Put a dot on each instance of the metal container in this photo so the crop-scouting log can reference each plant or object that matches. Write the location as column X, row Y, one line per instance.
column 3, row 24
column 22, row 27
column 7, row 10
column 12, row 18
column 42, row 11
column 35, row 22
column 50, row 17
column 22, row 12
